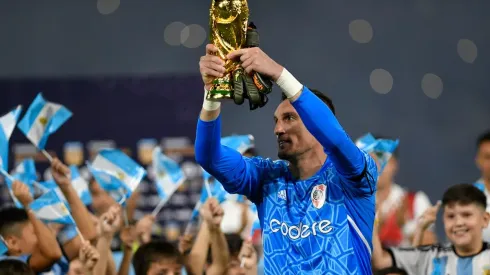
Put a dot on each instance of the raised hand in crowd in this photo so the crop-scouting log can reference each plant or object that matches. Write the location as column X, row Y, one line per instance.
column 144, row 228
column 22, row 193
column 424, row 222
column 212, row 214
column 45, row 251
column 89, row 256
column 248, row 257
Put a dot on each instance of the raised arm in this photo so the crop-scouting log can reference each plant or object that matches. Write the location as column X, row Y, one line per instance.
column 47, row 252
column 316, row 115
column 237, row 174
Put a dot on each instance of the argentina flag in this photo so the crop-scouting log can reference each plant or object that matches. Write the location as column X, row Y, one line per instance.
column 42, row 119
column 168, row 174
column 382, row 148
column 25, row 171
column 7, row 126
column 50, row 185
column 239, row 143
column 50, row 208
column 80, row 185
column 120, row 168
column 218, row 191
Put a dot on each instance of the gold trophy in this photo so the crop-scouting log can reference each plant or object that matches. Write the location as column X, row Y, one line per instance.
column 228, row 30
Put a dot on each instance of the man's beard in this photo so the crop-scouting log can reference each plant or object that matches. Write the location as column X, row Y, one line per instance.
column 285, row 155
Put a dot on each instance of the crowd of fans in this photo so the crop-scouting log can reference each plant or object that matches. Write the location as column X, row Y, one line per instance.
column 222, row 243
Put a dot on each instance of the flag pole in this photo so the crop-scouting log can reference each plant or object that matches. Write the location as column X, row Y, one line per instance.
column 47, row 155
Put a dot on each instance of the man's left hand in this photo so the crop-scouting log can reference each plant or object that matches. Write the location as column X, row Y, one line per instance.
column 255, row 60
column 61, row 173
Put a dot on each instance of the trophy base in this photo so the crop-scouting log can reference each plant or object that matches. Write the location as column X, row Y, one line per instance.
column 221, row 90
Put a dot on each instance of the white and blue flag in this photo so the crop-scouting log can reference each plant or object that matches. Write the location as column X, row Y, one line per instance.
column 50, row 185
column 116, row 170
column 42, row 119
column 168, row 174
column 50, row 208
column 7, row 126
column 80, row 185
column 382, row 148
column 239, row 143
column 25, row 171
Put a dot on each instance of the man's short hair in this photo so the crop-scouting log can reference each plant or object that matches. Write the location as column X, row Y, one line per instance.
column 13, row 266
column 251, row 151
column 152, row 252
column 10, row 217
column 485, row 137
column 235, row 242
column 464, row 194
column 321, row 96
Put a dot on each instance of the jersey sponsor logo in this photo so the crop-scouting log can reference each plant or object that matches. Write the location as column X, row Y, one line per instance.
column 302, row 231
column 318, row 195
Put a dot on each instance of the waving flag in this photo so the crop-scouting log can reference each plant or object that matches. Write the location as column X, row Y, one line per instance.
column 25, row 171
column 169, row 176
column 80, row 185
column 382, row 148
column 218, row 191
column 7, row 125
column 42, row 119
column 51, row 208
column 239, row 143
column 116, row 170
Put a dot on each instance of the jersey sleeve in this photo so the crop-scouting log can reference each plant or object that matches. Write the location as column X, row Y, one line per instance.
column 237, row 174
column 348, row 159
column 412, row 260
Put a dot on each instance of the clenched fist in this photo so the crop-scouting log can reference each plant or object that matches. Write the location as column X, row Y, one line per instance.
column 212, row 213
column 89, row 256
column 61, row 173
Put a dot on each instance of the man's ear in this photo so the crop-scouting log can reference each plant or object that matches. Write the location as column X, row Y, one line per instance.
column 11, row 242
column 486, row 219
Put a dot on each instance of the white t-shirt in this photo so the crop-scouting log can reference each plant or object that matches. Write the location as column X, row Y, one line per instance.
column 233, row 218
column 420, row 203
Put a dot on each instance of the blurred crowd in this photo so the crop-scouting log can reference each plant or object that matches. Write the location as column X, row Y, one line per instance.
column 113, row 239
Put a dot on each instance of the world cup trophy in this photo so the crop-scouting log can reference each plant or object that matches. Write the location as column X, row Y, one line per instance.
column 228, row 24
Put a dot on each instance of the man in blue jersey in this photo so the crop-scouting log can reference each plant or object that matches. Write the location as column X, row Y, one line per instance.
column 316, row 205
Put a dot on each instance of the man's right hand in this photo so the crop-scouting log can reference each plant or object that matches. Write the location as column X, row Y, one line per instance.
column 212, row 213
column 211, row 66
column 22, row 193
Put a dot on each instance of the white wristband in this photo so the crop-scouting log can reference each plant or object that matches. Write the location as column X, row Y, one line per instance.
column 289, row 85
column 209, row 105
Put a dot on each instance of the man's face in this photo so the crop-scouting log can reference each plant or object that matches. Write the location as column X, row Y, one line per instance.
column 165, row 267
column 463, row 224
column 292, row 136
column 483, row 159
column 25, row 241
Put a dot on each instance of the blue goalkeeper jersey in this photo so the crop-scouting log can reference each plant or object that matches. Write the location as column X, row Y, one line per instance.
column 322, row 225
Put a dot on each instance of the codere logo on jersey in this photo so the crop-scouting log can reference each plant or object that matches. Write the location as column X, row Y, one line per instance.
column 302, row 230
